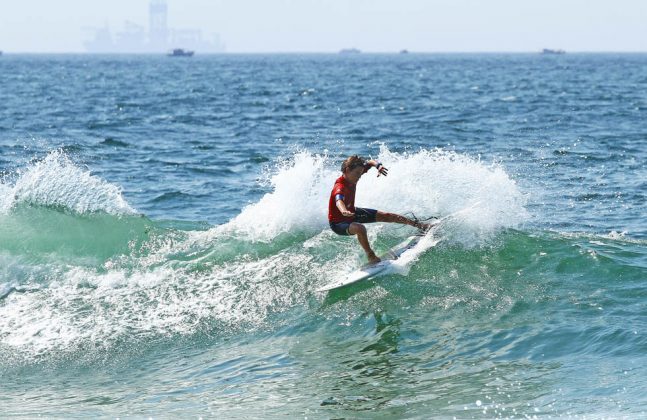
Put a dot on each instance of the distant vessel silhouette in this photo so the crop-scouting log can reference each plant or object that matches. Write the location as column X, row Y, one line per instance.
column 549, row 51
column 404, row 52
column 350, row 51
column 179, row 52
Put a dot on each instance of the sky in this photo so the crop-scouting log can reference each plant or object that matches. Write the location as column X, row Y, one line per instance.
column 248, row 26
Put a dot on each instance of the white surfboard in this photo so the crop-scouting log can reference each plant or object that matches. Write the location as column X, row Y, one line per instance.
column 388, row 260
column 372, row 270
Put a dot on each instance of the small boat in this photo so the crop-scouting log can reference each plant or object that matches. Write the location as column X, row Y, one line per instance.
column 549, row 51
column 404, row 52
column 179, row 52
column 350, row 51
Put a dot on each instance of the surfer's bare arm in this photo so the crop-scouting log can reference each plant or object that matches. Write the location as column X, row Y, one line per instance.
column 342, row 208
column 381, row 170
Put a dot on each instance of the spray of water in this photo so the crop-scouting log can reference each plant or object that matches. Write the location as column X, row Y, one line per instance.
column 57, row 182
column 425, row 183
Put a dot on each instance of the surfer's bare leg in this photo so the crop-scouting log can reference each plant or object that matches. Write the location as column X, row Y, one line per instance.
column 397, row 218
column 360, row 230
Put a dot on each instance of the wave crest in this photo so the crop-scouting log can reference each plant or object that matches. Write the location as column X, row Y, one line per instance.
column 56, row 181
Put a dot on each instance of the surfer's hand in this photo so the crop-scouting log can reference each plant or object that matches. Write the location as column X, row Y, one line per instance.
column 347, row 213
column 381, row 170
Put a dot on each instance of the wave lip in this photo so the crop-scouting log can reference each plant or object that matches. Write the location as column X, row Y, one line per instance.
column 56, row 211
column 57, row 182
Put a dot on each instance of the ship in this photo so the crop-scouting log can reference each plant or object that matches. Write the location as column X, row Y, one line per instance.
column 350, row 51
column 549, row 51
column 179, row 52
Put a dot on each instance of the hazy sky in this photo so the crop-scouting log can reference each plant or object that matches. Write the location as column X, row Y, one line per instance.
column 329, row 25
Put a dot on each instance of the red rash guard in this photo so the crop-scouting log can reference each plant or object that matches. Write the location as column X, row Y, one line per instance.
column 345, row 189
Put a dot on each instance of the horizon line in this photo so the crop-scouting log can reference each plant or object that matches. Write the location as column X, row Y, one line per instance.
column 337, row 52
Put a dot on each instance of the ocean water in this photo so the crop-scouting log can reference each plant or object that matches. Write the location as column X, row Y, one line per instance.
column 163, row 231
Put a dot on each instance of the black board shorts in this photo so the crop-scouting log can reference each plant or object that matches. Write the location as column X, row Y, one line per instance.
column 361, row 216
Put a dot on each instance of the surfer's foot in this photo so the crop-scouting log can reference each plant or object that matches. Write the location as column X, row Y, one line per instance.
column 373, row 259
column 423, row 226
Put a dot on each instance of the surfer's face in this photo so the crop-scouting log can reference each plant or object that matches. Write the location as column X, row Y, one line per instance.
column 353, row 175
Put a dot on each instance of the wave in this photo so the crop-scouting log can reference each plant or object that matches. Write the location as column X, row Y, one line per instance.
column 87, row 277
column 46, row 234
column 109, row 141
column 57, row 182
column 56, row 210
column 234, row 287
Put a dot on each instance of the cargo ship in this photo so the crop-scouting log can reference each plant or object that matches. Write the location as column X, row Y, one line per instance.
column 179, row 52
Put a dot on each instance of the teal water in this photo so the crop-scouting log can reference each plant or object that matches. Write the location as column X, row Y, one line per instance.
column 163, row 231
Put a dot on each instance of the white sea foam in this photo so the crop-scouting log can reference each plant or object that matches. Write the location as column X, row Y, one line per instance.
column 6, row 198
column 425, row 183
column 298, row 200
column 57, row 181
column 403, row 264
column 84, row 306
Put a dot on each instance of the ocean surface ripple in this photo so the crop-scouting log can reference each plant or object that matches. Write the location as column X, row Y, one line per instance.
column 163, row 232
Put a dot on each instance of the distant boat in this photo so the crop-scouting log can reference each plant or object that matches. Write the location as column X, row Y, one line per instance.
column 404, row 52
column 179, row 52
column 549, row 51
column 350, row 51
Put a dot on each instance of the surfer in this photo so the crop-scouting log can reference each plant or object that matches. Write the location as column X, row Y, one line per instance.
column 346, row 219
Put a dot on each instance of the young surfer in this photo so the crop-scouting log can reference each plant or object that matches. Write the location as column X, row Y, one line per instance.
column 346, row 219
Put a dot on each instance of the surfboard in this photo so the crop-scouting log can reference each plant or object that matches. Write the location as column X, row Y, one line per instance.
column 372, row 270
column 390, row 257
